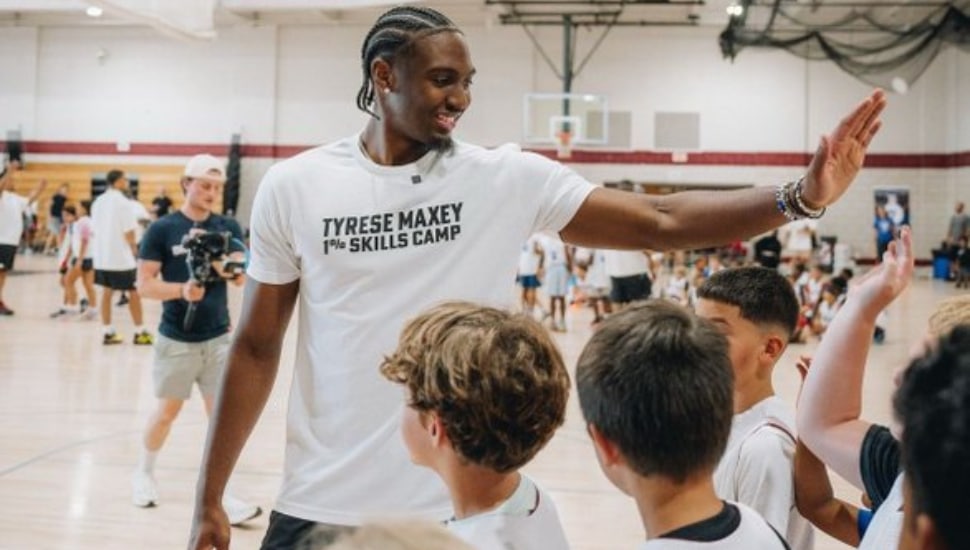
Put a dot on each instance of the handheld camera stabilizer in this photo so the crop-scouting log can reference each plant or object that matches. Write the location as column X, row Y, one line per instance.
column 202, row 250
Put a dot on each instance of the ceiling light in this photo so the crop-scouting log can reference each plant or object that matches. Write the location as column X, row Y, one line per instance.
column 735, row 10
column 94, row 11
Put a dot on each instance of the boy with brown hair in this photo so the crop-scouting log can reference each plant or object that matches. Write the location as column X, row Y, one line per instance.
column 656, row 390
column 486, row 390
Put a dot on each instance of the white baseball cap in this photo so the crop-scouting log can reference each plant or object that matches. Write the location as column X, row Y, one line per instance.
column 205, row 167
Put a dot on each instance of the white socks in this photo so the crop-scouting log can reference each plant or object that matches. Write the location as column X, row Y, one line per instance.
column 147, row 462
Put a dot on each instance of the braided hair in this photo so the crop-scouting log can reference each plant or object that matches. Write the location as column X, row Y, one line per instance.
column 393, row 33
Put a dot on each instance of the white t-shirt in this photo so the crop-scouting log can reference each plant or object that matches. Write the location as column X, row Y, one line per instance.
column 800, row 235
column 887, row 523
column 528, row 258
column 555, row 252
column 827, row 311
column 678, row 290
column 79, row 231
column 111, row 217
column 528, row 520
column 756, row 469
column 626, row 263
column 141, row 215
column 727, row 532
column 12, row 208
column 595, row 259
column 371, row 249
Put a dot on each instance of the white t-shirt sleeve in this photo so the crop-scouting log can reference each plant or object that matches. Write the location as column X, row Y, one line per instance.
column 764, row 477
column 561, row 193
column 272, row 259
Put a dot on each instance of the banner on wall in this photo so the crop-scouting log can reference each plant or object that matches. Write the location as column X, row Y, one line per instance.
column 890, row 212
column 895, row 201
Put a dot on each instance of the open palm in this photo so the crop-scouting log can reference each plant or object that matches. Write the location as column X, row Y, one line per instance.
column 883, row 284
column 840, row 154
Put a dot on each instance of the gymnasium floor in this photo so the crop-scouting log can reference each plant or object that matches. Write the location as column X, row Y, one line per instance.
column 72, row 413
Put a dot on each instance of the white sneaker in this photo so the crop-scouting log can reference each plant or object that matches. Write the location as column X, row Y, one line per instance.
column 239, row 511
column 144, row 492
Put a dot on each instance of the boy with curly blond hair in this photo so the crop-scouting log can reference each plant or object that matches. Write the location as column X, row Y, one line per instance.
column 486, row 390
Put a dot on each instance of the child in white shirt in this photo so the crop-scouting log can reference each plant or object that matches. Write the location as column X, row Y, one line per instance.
column 757, row 310
column 656, row 390
column 486, row 391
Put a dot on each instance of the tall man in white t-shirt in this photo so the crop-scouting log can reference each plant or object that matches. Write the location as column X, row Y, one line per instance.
column 114, row 224
column 367, row 231
column 12, row 208
column 757, row 310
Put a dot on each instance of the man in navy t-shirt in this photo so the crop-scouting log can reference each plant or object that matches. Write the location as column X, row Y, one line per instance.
column 191, row 348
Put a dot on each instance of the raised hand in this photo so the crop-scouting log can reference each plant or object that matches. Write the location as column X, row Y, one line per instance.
column 882, row 285
column 840, row 154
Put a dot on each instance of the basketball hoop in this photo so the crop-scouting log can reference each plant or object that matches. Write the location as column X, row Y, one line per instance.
column 564, row 144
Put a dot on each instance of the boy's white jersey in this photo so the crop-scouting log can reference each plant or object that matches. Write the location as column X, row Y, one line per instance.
column 528, row 520
column 736, row 528
column 756, row 469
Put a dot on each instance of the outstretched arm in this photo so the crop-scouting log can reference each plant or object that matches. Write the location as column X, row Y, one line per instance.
column 616, row 219
column 831, row 400
column 246, row 385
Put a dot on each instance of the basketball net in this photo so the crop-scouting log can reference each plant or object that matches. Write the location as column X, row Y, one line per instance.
column 564, row 144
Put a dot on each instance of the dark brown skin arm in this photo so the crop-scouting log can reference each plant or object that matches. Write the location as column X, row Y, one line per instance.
column 250, row 373
column 693, row 219
column 697, row 219
column 817, row 503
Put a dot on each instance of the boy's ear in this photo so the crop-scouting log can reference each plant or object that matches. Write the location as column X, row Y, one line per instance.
column 436, row 429
column 774, row 347
column 607, row 451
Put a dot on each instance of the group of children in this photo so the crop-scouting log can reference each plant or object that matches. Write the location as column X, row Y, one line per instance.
column 683, row 417
column 75, row 248
column 570, row 275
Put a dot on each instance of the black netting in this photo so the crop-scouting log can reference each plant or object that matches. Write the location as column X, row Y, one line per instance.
column 885, row 44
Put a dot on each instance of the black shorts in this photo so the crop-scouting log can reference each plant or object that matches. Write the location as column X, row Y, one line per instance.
column 8, row 252
column 86, row 264
column 115, row 280
column 287, row 532
column 630, row 289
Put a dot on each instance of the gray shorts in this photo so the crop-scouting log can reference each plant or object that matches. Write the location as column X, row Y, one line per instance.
column 179, row 365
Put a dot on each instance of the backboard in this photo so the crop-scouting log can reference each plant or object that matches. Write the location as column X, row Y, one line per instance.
column 546, row 116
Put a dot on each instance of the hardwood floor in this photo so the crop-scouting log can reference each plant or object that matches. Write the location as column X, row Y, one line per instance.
column 72, row 413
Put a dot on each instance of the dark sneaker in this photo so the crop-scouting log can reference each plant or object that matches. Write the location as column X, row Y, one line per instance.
column 4, row 310
column 144, row 338
column 60, row 312
column 123, row 300
column 112, row 338
column 84, row 304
